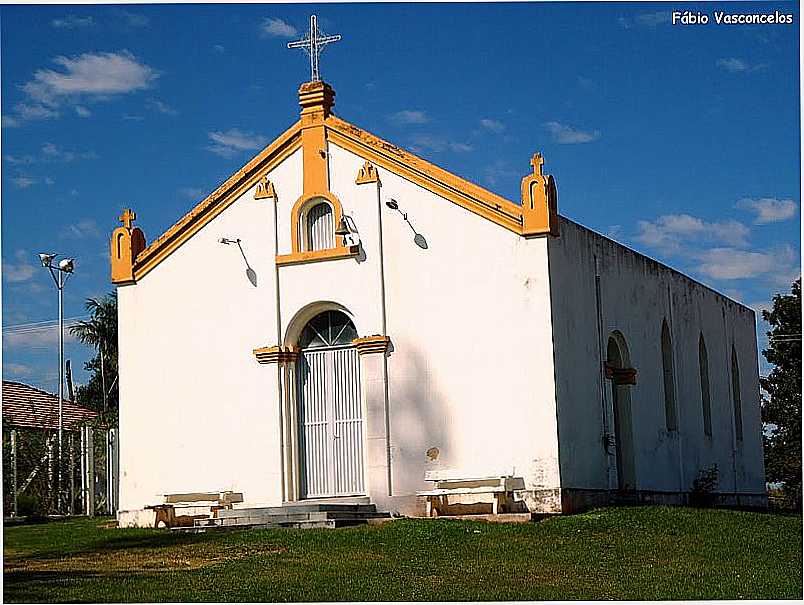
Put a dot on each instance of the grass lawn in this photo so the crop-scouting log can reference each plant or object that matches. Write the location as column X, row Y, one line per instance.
column 624, row 553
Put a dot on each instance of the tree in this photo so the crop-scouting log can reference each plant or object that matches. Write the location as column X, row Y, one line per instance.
column 781, row 407
column 100, row 332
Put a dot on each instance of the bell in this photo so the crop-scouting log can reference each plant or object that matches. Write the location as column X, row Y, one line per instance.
column 343, row 228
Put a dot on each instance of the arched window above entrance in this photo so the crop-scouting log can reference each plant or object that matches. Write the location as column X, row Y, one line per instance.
column 328, row 329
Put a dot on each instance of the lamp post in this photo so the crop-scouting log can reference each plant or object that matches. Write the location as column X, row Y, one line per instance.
column 60, row 273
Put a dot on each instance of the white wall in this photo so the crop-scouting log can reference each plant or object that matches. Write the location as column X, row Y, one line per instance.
column 196, row 410
column 469, row 318
column 637, row 293
column 471, row 371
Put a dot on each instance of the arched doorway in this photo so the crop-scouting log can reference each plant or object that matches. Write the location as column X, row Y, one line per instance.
column 330, row 412
column 618, row 361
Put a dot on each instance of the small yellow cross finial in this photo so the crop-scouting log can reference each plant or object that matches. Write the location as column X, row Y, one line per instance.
column 536, row 161
column 128, row 217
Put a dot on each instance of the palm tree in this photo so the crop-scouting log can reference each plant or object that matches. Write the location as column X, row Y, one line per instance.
column 100, row 332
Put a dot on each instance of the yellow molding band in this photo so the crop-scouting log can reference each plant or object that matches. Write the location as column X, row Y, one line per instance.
column 403, row 163
column 372, row 344
column 276, row 354
column 217, row 201
column 298, row 258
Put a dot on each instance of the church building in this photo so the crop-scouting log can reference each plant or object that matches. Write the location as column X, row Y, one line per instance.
column 344, row 320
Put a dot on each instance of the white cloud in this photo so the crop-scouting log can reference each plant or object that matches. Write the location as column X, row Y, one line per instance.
column 51, row 152
column 645, row 20
column 218, row 48
column 16, row 369
column 133, row 118
column 567, row 135
column 653, row 19
column 729, row 263
column 82, row 229
column 718, row 250
column 672, row 233
column 230, row 143
column 90, row 74
column 133, row 19
column 494, row 126
column 72, row 22
column 89, row 77
column 277, row 28
column 26, row 111
column 769, row 209
column 614, row 232
column 43, row 337
column 426, row 142
column 162, row 107
column 9, row 122
column 410, row 116
column 19, row 160
column 735, row 65
column 23, row 182
column 192, row 192
column 21, row 269
column 500, row 170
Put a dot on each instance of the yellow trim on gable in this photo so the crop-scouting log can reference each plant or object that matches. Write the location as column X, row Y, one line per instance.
column 217, row 201
column 445, row 184
column 315, row 128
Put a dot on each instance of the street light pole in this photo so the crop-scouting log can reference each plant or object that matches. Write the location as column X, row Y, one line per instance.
column 60, row 273
column 60, row 286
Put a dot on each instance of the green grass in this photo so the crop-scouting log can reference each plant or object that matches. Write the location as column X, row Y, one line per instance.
column 625, row 553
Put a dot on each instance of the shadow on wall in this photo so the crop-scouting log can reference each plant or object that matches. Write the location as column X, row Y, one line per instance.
column 251, row 274
column 418, row 238
column 421, row 436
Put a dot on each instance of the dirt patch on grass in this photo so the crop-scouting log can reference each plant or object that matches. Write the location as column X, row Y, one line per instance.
column 185, row 557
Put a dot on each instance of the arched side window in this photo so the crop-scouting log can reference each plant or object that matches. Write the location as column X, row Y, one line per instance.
column 319, row 230
column 670, row 412
column 736, row 396
column 706, row 403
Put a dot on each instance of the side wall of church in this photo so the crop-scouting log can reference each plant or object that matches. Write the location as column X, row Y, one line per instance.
column 197, row 412
column 636, row 295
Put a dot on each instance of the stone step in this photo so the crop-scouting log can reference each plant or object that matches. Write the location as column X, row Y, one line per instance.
column 295, row 524
column 298, row 508
column 252, row 518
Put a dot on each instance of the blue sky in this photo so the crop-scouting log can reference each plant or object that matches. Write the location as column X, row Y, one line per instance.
column 681, row 141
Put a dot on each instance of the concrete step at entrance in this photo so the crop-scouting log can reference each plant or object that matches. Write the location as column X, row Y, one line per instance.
column 298, row 509
column 305, row 515
column 310, row 524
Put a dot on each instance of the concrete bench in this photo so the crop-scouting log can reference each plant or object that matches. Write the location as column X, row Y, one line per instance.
column 452, row 483
column 225, row 499
column 194, row 505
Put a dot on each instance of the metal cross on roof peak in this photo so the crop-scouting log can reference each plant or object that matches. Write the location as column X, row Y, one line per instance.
column 313, row 45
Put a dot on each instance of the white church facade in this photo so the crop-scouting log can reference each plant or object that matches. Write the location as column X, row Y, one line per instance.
column 341, row 317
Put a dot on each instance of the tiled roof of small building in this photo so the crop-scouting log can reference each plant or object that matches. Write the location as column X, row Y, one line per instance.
column 27, row 406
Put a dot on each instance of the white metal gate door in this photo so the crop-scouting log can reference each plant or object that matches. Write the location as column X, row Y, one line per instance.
column 330, row 423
